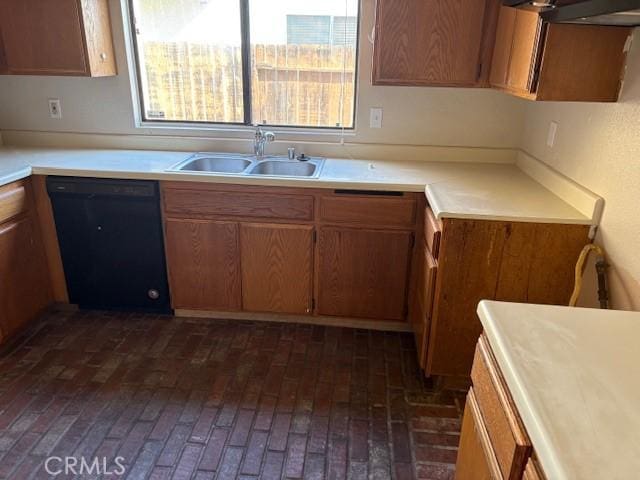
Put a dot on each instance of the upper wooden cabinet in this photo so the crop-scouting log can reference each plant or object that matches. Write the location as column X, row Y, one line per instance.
column 433, row 42
column 61, row 37
column 557, row 62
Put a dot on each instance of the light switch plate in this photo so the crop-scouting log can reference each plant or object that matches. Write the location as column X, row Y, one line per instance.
column 55, row 109
column 375, row 118
column 551, row 136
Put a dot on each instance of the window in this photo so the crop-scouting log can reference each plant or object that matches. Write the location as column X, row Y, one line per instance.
column 272, row 62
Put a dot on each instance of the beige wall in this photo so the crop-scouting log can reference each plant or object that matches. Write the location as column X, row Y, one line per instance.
column 598, row 145
column 412, row 116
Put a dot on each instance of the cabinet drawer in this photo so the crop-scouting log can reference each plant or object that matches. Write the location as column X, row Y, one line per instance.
column 476, row 457
column 432, row 232
column 508, row 437
column 13, row 200
column 205, row 202
column 369, row 210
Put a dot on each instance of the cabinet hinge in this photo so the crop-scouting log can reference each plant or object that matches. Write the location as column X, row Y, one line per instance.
column 412, row 242
column 479, row 72
column 315, row 237
column 313, row 304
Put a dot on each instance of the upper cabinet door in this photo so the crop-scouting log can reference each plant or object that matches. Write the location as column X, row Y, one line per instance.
column 433, row 42
column 61, row 37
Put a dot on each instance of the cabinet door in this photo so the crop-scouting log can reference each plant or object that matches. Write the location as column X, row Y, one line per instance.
column 363, row 273
column 204, row 264
column 516, row 50
column 476, row 460
column 43, row 37
column 431, row 42
column 25, row 288
column 277, row 268
column 422, row 307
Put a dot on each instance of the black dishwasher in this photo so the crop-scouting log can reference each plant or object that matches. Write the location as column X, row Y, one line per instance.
column 110, row 234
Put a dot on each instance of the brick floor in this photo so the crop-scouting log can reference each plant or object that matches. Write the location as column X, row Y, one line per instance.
column 200, row 399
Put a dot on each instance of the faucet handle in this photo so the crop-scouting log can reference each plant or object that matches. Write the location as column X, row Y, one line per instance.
column 269, row 136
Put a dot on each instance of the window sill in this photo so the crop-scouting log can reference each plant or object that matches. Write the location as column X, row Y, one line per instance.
column 243, row 132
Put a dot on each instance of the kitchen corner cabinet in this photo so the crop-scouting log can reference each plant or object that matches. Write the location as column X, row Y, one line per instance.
column 26, row 289
column 433, row 42
column 289, row 251
column 557, row 62
column 465, row 261
column 61, row 37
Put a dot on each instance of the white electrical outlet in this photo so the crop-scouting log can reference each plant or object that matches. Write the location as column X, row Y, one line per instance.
column 55, row 109
column 375, row 118
column 551, row 136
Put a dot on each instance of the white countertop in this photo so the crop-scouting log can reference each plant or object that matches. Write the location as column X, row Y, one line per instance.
column 573, row 375
column 454, row 190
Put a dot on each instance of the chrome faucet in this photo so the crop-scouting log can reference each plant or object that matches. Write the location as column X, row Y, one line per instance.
column 261, row 138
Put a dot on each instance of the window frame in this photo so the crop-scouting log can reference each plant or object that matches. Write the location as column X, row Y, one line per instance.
column 135, row 67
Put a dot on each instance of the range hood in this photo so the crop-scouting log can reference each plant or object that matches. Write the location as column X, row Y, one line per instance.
column 623, row 13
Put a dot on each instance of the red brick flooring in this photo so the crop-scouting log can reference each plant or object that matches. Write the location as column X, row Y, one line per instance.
column 214, row 399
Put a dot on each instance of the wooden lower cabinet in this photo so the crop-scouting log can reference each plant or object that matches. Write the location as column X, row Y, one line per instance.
column 276, row 250
column 203, row 258
column 494, row 260
column 476, row 460
column 363, row 273
column 26, row 289
column 277, row 268
column 494, row 444
column 422, row 301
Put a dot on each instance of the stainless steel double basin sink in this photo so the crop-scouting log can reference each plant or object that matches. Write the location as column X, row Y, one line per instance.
column 249, row 165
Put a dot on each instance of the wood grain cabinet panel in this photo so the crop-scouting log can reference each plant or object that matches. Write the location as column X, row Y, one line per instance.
column 13, row 200
column 422, row 304
column 363, row 273
column 383, row 212
column 476, row 459
column 237, row 204
column 61, row 37
column 277, row 268
column 558, row 62
column 509, row 261
column 432, row 42
column 510, row 442
column 25, row 288
column 204, row 264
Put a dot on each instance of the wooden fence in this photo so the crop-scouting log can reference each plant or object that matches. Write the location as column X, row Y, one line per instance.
column 291, row 84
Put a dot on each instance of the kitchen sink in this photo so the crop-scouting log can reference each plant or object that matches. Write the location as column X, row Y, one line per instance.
column 284, row 168
column 216, row 164
column 248, row 165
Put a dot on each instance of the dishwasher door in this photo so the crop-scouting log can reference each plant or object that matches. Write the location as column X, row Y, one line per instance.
column 110, row 234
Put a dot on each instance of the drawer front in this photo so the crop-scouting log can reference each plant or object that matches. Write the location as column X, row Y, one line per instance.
column 369, row 210
column 476, row 457
column 205, row 203
column 13, row 200
column 432, row 232
column 508, row 437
